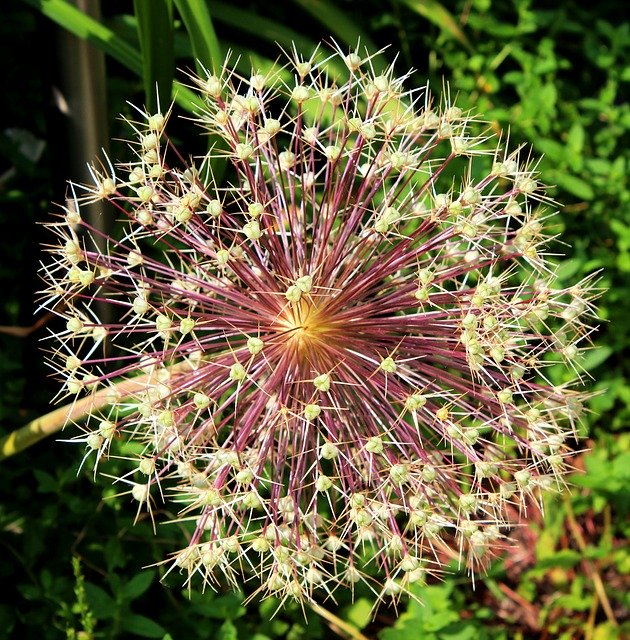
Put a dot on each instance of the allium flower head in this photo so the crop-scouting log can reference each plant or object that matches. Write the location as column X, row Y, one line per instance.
column 335, row 358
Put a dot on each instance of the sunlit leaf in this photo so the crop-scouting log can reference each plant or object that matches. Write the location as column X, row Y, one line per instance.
column 440, row 16
column 155, row 34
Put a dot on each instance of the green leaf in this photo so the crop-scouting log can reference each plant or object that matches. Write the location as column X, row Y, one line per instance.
column 70, row 18
column 261, row 27
column 205, row 44
column 45, row 482
column 432, row 613
column 574, row 185
column 441, row 17
column 227, row 631
column 359, row 613
column 552, row 149
column 142, row 626
column 343, row 26
column 155, row 32
column 228, row 606
column 575, row 139
column 75, row 21
column 565, row 559
column 101, row 603
column 594, row 357
column 137, row 585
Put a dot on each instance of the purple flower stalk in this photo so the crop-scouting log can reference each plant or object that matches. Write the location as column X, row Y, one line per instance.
column 340, row 351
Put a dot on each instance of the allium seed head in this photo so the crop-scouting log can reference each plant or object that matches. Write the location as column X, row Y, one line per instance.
column 340, row 354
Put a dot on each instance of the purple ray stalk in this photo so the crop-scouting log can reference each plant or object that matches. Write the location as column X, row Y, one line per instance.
column 341, row 349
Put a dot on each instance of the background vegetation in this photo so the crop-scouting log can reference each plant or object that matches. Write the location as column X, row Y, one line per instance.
column 553, row 76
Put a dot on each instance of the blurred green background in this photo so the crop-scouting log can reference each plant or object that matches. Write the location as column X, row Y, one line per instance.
column 552, row 76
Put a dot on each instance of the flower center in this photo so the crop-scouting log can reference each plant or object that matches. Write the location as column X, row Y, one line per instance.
column 304, row 325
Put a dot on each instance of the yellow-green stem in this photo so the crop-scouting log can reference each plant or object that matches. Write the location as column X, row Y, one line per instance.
column 52, row 422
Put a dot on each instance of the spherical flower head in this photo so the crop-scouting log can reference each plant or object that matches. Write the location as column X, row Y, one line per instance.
column 335, row 363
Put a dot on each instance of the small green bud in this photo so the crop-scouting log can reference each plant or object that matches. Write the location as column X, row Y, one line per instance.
column 223, row 257
column 381, row 83
column 140, row 305
column 299, row 94
column 150, row 141
column 429, row 473
column 254, row 345
column 251, row 500
column 201, row 400
column 145, row 193
column 486, row 469
column 415, row 402
column 323, row 483
column 513, row 208
column 147, row 466
column 252, row 230
column 421, row 294
column 399, row 473
column 312, row 411
column 244, row 476
column 166, row 418
column 213, row 86
column 74, row 325
column 156, row 122
column 374, row 445
column 293, row 294
column 523, row 478
column 361, row 517
column 353, row 61
column 272, row 126
column 237, row 372
column 322, row 382
column 388, row 365
column 304, row 284
column 163, row 323
column 107, row 429
column 328, row 451
column 332, row 152
column 186, row 325
column 244, row 151
column 471, row 195
column 140, row 492
column 94, row 441
column 214, row 208
column 526, row 185
column 255, row 209
column 261, row 544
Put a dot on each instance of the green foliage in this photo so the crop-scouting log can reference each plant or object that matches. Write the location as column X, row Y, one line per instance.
column 437, row 615
column 155, row 34
column 554, row 77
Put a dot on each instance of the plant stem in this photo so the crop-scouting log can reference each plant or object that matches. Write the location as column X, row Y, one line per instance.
column 339, row 626
column 590, row 567
column 56, row 420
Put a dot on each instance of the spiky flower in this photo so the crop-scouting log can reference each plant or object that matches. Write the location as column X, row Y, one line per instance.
column 336, row 357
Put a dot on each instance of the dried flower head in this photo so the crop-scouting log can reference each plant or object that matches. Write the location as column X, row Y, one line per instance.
column 335, row 358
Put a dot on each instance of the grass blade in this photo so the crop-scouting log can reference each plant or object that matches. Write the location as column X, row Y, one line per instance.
column 343, row 27
column 155, row 33
column 440, row 16
column 205, row 44
column 75, row 21
column 259, row 26
column 268, row 30
column 82, row 26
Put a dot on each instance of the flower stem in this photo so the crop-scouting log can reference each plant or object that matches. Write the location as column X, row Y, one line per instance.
column 43, row 426
column 339, row 626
